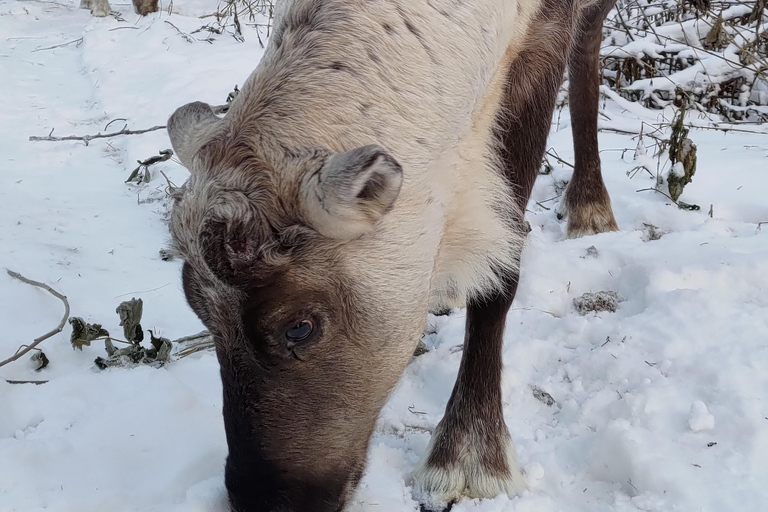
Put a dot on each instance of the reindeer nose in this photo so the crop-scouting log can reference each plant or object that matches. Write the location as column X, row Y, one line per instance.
column 252, row 489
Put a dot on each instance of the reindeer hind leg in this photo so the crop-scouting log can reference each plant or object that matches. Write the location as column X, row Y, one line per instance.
column 586, row 202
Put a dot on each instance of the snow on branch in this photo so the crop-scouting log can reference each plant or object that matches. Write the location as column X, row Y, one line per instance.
column 715, row 52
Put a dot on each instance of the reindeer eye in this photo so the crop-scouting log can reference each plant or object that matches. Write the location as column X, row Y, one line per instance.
column 300, row 331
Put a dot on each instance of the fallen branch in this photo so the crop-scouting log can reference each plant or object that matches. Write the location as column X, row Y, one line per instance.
column 24, row 349
column 550, row 152
column 76, row 41
column 87, row 138
column 217, row 109
column 36, row 382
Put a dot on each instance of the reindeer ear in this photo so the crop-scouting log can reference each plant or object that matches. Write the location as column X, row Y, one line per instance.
column 189, row 128
column 352, row 191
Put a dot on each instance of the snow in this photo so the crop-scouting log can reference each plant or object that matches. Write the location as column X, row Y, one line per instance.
column 700, row 418
column 636, row 392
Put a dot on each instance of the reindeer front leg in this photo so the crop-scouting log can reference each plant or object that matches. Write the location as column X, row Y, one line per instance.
column 586, row 202
column 471, row 452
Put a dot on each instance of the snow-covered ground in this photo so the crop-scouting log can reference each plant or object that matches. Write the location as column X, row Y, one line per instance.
column 660, row 406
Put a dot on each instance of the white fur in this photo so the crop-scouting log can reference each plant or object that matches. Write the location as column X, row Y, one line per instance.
column 448, row 232
column 98, row 8
column 436, row 487
column 428, row 91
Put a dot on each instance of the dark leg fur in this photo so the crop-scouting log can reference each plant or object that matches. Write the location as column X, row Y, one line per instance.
column 586, row 202
column 145, row 7
column 471, row 453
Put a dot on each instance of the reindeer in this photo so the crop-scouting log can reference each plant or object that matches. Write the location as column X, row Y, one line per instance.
column 101, row 8
column 376, row 166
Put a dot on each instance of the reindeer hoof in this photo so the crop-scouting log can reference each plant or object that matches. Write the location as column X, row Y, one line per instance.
column 587, row 214
column 474, row 471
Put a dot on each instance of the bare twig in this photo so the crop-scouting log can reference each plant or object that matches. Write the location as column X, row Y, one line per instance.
column 87, row 138
column 114, row 120
column 193, row 337
column 726, row 129
column 186, row 36
column 27, row 348
column 536, row 309
column 651, row 189
column 199, row 342
column 193, row 349
column 171, row 185
column 551, row 153
column 37, row 382
column 76, row 41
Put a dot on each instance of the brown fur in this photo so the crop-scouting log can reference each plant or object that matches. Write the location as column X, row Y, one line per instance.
column 144, row 7
column 586, row 202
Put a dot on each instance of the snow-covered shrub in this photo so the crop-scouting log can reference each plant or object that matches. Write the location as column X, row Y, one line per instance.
column 714, row 52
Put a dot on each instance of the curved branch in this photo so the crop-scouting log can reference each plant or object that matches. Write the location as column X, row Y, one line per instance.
column 24, row 349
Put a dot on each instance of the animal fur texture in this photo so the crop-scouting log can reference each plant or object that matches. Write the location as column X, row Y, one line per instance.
column 375, row 166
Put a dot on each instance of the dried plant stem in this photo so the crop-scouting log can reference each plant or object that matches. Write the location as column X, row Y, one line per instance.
column 200, row 341
column 652, row 189
column 184, row 35
column 193, row 337
column 24, row 349
column 195, row 348
column 551, row 153
column 37, row 382
column 76, row 41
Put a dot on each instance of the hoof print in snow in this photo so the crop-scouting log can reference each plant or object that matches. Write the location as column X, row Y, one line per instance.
column 591, row 252
column 652, row 232
column 594, row 302
column 542, row 396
